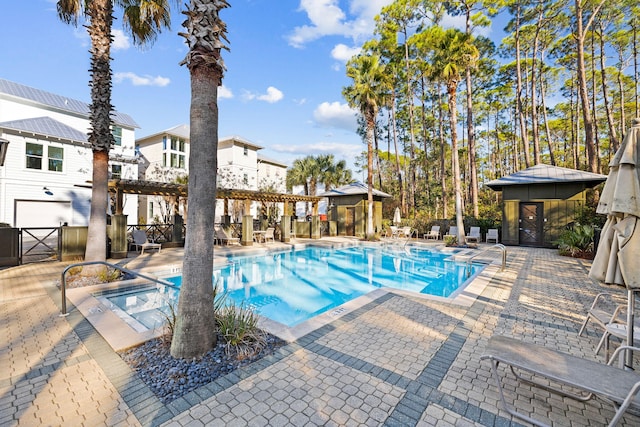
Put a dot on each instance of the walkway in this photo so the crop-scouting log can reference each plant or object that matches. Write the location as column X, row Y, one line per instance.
column 397, row 361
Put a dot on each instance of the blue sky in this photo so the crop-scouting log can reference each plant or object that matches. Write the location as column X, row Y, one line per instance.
column 282, row 88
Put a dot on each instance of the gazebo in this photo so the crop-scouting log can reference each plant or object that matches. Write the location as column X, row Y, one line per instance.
column 121, row 186
column 540, row 201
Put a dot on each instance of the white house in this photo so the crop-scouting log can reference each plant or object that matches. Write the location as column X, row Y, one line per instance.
column 166, row 155
column 45, row 178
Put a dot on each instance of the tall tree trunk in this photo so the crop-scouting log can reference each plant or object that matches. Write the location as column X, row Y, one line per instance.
column 403, row 197
column 453, row 120
column 519, row 107
column 100, row 138
column 552, row 157
column 412, row 175
column 613, row 136
column 473, row 169
column 443, row 155
column 580, row 34
column 370, row 119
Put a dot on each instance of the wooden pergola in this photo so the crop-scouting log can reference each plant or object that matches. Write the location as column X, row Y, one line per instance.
column 154, row 188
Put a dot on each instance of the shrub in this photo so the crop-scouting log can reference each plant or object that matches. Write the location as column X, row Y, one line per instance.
column 577, row 241
column 450, row 240
column 238, row 326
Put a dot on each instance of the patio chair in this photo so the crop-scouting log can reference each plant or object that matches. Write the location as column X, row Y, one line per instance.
column 492, row 234
column 474, row 235
column 547, row 369
column 406, row 232
column 434, row 233
column 395, row 232
column 222, row 236
column 141, row 242
column 269, row 235
column 606, row 308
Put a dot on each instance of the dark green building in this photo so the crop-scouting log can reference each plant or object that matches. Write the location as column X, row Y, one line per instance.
column 540, row 201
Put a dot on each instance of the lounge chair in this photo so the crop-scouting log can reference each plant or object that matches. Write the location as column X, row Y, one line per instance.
column 591, row 378
column 453, row 231
column 474, row 235
column 141, row 242
column 406, row 232
column 223, row 237
column 492, row 234
column 395, row 232
column 434, row 233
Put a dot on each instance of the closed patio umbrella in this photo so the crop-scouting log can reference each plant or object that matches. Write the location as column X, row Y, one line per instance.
column 396, row 217
column 616, row 260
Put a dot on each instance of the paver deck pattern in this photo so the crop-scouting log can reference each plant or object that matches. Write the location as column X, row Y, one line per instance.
column 397, row 361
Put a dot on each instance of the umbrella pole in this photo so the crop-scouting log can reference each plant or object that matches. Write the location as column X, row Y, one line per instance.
column 631, row 306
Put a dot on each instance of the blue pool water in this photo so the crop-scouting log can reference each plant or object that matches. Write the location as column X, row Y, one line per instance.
column 291, row 287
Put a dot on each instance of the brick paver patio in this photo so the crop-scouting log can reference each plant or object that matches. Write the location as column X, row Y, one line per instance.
column 396, row 361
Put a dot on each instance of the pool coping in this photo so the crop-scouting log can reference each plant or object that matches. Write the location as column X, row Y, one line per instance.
column 121, row 336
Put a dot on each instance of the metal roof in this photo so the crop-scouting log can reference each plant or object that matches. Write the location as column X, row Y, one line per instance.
column 181, row 131
column 546, row 174
column 57, row 101
column 47, row 127
column 353, row 189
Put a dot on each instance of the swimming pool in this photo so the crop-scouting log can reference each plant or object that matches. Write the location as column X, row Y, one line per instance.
column 293, row 286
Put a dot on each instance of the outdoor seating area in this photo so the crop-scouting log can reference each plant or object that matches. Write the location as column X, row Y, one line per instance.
column 141, row 242
column 438, row 363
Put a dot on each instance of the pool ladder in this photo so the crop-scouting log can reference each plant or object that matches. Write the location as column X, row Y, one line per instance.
column 63, row 279
column 498, row 246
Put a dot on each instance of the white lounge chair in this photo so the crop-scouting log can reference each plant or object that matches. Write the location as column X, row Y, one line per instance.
column 616, row 386
column 223, row 237
column 405, row 232
column 434, row 233
column 453, row 231
column 395, row 232
column 474, row 235
column 141, row 242
column 492, row 234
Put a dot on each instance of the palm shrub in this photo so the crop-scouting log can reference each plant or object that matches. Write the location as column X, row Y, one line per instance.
column 576, row 241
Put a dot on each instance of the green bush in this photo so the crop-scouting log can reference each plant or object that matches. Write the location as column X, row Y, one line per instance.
column 238, row 325
column 577, row 241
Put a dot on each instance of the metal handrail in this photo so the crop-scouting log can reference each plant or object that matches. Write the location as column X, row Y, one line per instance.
column 497, row 245
column 63, row 280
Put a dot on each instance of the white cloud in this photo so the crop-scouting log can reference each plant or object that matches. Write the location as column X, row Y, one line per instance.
column 335, row 114
column 224, row 92
column 328, row 19
column 342, row 52
column 120, row 40
column 137, row 80
column 273, row 95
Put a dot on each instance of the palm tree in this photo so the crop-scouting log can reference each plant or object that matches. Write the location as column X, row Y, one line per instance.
column 195, row 328
column 367, row 94
column 453, row 53
column 336, row 174
column 144, row 19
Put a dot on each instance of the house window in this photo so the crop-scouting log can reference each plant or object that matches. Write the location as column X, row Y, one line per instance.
column 245, row 179
column 55, row 159
column 181, row 145
column 34, row 156
column 116, row 171
column 116, row 131
column 164, row 160
column 181, row 162
column 164, row 142
column 246, row 150
column 174, row 160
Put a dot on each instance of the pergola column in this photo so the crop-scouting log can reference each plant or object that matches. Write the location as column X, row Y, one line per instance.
column 247, row 225
column 226, row 218
column 285, row 223
column 118, row 230
column 315, row 221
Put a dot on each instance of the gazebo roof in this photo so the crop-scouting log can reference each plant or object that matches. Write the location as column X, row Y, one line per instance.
column 546, row 174
column 356, row 188
column 170, row 189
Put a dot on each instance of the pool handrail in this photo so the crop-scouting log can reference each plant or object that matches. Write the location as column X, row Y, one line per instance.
column 497, row 245
column 63, row 279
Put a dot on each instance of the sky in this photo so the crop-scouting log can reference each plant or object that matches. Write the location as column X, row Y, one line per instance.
column 281, row 90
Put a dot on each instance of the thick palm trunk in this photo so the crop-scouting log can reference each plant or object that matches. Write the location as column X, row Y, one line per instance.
column 195, row 330
column 100, row 138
